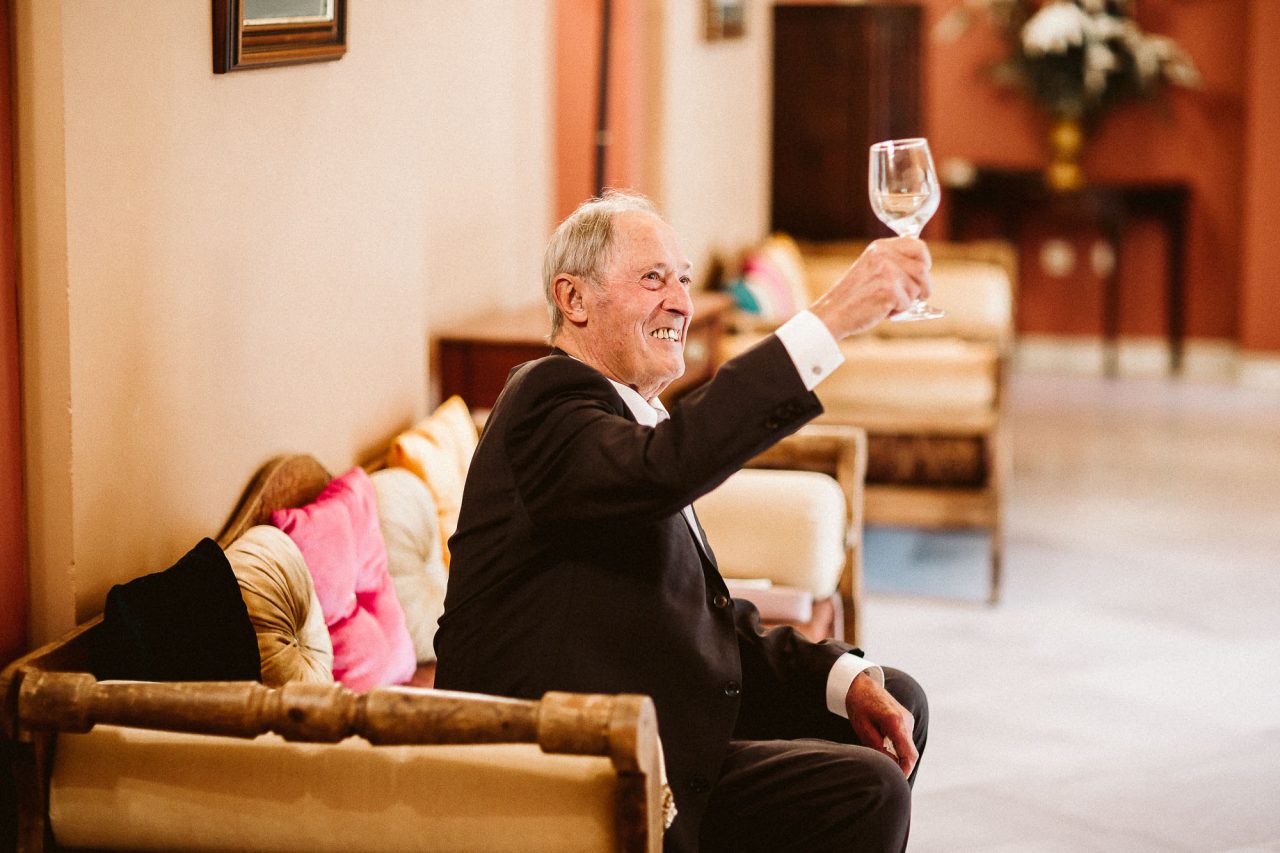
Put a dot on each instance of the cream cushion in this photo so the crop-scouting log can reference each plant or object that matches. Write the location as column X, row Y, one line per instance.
column 977, row 296
column 407, row 515
column 293, row 642
column 786, row 526
column 121, row 788
column 885, row 376
column 921, row 373
column 438, row 449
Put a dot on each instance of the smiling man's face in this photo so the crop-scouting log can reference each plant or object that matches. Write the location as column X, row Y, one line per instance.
column 638, row 321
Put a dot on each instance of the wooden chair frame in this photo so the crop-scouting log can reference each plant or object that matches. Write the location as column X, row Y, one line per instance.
column 839, row 451
column 944, row 507
column 935, row 507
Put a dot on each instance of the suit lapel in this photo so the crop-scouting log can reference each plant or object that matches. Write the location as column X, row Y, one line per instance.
column 694, row 526
column 700, row 539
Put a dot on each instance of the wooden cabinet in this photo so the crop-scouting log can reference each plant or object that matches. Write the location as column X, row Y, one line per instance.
column 843, row 78
column 1010, row 203
column 474, row 358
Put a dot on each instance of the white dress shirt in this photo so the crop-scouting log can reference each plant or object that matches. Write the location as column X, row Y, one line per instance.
column 815, row 353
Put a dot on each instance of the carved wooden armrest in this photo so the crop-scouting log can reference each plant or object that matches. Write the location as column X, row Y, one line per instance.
column 622, row 727
column 840, row 451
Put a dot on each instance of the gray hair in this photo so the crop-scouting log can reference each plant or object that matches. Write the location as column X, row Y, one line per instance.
column 580, row 245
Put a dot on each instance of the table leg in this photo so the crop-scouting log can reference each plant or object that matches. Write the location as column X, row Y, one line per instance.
column 1176, row 281
column 1111, row 304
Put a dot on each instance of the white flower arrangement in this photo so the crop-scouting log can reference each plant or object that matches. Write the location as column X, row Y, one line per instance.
column 1078, row 58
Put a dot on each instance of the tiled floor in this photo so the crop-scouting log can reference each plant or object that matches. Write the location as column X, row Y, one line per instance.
column 1125, row 696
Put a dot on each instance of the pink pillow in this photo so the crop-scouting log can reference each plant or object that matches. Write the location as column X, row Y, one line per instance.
column 341, row 541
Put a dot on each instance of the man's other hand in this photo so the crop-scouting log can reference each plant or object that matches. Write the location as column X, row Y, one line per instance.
column 882, row 281
column 876, row 715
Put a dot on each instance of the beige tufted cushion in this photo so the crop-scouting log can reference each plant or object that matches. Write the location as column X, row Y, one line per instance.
column 977, row 297
column 438, row 449
column 134, row 789
column 888, row 377
column 928, row 375
column 822, row 271
column 787, row 526
column 293, row 641
column 978, row 300
column 407, row 514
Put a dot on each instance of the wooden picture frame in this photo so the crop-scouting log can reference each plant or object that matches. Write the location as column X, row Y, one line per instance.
column 726, row 19
column 294, row 33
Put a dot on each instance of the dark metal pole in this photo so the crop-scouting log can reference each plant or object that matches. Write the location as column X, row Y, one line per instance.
column 602, row 104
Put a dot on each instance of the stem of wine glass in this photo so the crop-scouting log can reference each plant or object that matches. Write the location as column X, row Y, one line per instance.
column 918, row 309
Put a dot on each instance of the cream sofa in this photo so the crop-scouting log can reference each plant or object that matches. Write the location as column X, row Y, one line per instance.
column 299, row 762
column 929, row 393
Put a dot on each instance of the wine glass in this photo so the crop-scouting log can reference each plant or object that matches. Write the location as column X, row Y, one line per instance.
column 903, row 186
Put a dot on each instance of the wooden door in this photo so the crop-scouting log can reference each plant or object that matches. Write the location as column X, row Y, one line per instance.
column 843, row 78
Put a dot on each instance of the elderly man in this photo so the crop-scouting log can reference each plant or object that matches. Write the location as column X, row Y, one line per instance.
column 579, row 565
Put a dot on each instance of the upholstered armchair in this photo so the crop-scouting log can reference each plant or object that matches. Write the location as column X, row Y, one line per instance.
column 787, row 531
column 929, row 394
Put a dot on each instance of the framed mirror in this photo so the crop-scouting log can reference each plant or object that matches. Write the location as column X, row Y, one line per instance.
column 260, row 33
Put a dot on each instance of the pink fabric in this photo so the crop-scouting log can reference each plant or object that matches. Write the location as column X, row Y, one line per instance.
column 339, row 537
column 769, row 286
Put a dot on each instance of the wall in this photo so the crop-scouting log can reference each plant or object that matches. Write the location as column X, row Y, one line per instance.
column 221, row 268
column 1199, row 141
column 486, row 151
column 577, row 89
column 1260, row 296
column 712, row 136
column 703, row 151
column 688, row 118
column 712, row 150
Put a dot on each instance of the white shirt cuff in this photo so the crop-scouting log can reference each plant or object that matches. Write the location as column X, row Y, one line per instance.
column 841, row 677
column 811, row 346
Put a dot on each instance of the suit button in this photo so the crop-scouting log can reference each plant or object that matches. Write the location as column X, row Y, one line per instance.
column 721, row 601
column 699, row 784
column 732, row 688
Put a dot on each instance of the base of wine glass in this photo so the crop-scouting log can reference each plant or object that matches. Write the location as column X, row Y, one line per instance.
column 919, row 310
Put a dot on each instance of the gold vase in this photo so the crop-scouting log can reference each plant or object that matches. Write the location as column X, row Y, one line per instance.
column 1066, row 140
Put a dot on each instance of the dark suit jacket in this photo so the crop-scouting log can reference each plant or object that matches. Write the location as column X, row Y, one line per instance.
column 573, row 569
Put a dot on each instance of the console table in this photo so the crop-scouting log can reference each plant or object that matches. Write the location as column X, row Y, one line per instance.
column 473, row 358
column 1011, row 197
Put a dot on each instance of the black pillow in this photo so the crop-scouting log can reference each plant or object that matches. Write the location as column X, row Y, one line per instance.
column 186, row 623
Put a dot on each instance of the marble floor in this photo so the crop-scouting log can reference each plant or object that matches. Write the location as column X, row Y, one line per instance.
column 1125, row 695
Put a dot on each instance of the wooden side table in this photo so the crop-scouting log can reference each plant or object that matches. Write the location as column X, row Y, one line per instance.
column 473, row 358
column 1011, row 197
